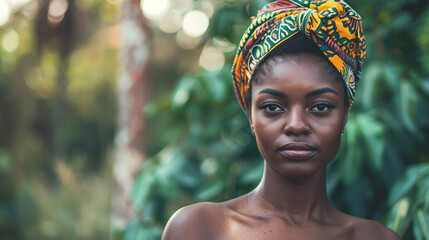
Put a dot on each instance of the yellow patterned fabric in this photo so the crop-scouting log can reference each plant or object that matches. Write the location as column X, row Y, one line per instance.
column 333, row 25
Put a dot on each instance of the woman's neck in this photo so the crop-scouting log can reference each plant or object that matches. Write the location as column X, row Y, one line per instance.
column 300, row 202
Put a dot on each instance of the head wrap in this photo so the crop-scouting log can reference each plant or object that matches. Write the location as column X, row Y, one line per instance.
column 333, row 25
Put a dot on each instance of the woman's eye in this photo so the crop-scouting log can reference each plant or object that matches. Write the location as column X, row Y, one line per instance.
column 321, row 108
column 272, row 108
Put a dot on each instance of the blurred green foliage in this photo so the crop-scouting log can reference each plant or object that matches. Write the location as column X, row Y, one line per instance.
column 57, row 120
column 202, row 148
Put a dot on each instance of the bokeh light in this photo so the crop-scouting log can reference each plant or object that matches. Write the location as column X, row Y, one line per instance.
column 171, row 22
column 195, row 23
column 4, row 13
column 182, row 5
column 17, row 3
column 212, row 59
column 43, row 86
column 57, row 10
column 223, row 44
column 10, row 41
column 31, row 9
column 185, row 41
column 155, row 9
column 205, row 7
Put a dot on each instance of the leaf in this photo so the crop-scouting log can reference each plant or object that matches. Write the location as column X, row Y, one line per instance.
column 412, row 177
column 372, row 131
column 423, row 192
column 224, row 20
column 215, row 86
column 398, row 215
column 252, row 174
column 421, row 225
column 182, row 92
column 391, row 73
column 157, row 107
column 135, row 230
column 5, row 162
column 351, row 164
column 142, row 188
column 187, row 175
column 408, row 105
column 372, row 75
column 210, row 191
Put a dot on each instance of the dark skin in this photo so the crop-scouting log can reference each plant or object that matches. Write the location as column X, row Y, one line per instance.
column 297, row 114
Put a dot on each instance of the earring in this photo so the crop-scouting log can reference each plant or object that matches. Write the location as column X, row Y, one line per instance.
column 342, row 132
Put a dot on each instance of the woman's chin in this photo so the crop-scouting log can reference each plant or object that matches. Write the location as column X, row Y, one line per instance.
column 298, row 172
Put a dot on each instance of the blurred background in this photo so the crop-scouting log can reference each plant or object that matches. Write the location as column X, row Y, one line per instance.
column 115, row 113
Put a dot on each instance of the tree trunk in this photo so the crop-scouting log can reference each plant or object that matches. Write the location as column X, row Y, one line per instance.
column 131, row 95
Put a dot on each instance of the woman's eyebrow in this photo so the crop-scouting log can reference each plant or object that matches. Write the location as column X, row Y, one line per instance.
column 320, row 91
column 272, row 92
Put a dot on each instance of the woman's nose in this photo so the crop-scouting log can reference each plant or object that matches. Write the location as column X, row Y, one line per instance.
column 296, row 122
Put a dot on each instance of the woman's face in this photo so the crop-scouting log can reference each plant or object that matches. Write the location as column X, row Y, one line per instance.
column 297, row 114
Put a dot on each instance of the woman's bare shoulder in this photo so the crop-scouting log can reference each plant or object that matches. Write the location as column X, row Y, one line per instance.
column 369, row 229
column 196, row 221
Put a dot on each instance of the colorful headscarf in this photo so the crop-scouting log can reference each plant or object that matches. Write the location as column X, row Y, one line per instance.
column 333, row 25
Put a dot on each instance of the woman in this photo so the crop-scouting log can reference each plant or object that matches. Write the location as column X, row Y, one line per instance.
column 295, row 75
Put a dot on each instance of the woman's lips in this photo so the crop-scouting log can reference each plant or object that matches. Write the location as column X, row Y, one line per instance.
column 297, row 151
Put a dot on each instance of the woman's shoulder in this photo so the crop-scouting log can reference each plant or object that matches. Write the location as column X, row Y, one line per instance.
column 196, row 221
column 369, row 229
